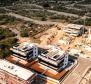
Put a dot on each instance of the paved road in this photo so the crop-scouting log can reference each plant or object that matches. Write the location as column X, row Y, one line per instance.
column 78, row 73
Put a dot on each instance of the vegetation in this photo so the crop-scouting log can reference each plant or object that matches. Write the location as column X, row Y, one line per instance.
column 87, row 22
column 40, row 11
column 6, row 33
column 24, row 31
column 7, row 2
column 5, row 19
column 5, row 43
column 28, row 27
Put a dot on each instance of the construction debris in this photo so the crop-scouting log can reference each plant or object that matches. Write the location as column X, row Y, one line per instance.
column 65, row 41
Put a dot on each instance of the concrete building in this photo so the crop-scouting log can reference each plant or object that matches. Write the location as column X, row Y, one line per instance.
column 25, row 50
column 74, row 29
column 55, row 56
column 13, row 74
column 52, row 62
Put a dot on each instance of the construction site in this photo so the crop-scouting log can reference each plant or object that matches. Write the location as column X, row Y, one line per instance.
column 45, row 41
column 61, row 57
column 51, row 62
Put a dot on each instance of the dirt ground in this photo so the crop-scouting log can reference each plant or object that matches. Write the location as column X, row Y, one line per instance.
column 87, row 78
column 53, row 35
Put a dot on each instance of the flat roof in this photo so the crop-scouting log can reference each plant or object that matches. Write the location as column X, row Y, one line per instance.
column 15, row 70
column 55, row 50
column 24, row 46
column 75, row 26
column 54, row 53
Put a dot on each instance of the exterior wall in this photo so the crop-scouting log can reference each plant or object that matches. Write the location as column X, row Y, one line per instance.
column 32, row 79
column 6, row 78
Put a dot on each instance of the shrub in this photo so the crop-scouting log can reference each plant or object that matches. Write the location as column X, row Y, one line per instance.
column 5, row 45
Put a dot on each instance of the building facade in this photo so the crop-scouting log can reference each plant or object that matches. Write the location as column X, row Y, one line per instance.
column 13, row 74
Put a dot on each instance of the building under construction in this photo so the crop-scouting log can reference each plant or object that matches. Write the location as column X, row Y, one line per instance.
column 74, row 29
column 53, row 62
column 25, row 51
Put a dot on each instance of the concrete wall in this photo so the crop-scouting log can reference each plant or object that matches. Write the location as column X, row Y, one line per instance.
column 6, row 78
